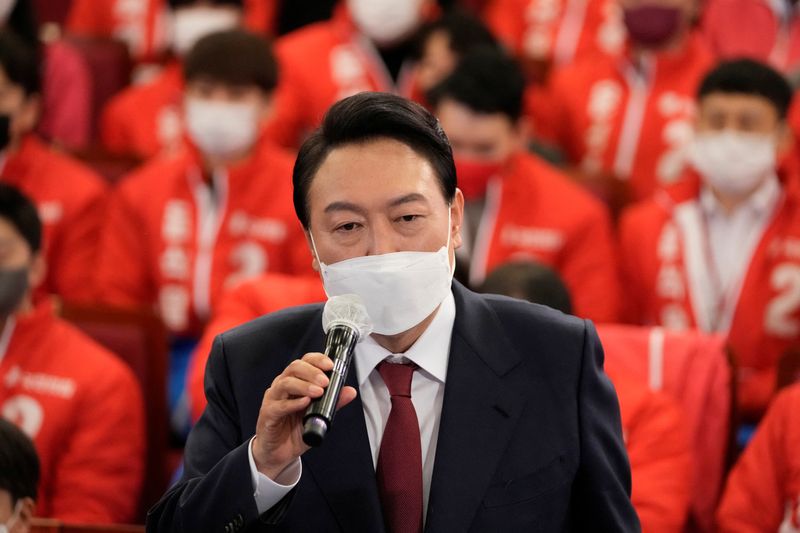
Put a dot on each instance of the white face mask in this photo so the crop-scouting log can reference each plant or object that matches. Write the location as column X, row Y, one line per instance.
column 190, row 24
column 386, row 22
column 731, row 162
column 222, row 129
column 399, row 289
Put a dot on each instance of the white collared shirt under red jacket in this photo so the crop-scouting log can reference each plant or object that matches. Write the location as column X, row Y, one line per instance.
column 667, row 274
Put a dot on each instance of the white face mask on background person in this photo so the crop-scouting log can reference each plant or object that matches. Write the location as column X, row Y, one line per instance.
column 190, row 24
column 399, row 289
column 731, row 162
column 222, row 129
column 386, row 22
column 6, row 7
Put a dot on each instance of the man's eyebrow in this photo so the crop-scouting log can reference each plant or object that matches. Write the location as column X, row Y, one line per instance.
column 408, row 198
column 345, row 206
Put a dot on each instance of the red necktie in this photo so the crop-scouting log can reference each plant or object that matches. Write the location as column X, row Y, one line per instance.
column 399, row 469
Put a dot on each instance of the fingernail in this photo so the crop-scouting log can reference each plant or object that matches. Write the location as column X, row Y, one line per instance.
column 314, row 390
column 322, row 380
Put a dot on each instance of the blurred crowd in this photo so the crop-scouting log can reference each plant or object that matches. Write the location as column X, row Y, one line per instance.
column 633, row 162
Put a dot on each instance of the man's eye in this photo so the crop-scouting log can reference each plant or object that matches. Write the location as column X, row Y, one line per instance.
column 350, row 226
column 409, row 218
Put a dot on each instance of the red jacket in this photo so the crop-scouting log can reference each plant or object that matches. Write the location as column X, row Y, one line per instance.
column 752, row 28
column 71, row 201
column 611, row 121
column 143, row 24
column 145, row 120
column 83, row 409
column 559, row 32
column 660, row 454
column 248, row 300
column 763, row 490
column 692, row 368
column 534, row 211
column 168, row 241
column 656, row 237
column 323, row 63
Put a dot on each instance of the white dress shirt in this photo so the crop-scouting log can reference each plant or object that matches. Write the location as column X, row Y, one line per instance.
column 431, row 353
column 732, row 239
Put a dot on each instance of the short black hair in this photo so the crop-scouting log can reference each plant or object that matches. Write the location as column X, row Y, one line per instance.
column 486, row 80
column 20, row 62
column 21, row 212
column 369, row 116
column 749, row 77
column 234, row 57
column 19, row 463
column 464, row 30
column 531, row 281
column 174, row 4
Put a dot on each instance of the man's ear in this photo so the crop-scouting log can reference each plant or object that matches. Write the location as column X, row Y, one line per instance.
column 786, row 138
column 38, row 271
column 456, row 219
column 314, row 260
column 24, row 516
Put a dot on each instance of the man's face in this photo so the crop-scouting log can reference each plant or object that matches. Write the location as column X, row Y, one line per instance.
column 437, row 62
column 478, row 136
column 214, row 91
column 15, row 516
column 738, row 112
column 379, row 197
column 23, row 111
column 15, row 254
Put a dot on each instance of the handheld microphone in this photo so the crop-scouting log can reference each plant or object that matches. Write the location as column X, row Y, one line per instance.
column 346, row 323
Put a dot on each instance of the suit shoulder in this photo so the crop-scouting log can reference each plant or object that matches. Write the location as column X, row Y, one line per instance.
column 281, row 328
column 521, row 316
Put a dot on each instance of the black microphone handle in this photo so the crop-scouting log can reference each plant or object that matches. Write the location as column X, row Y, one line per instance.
column 339, row 345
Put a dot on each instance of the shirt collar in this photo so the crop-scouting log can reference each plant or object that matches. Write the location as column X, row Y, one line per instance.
column 761, row 202
column 430, row 352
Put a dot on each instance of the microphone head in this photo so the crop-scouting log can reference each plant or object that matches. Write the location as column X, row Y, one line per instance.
column 347, row 310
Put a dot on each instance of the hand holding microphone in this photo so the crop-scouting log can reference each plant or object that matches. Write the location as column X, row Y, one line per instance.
column 316, row 377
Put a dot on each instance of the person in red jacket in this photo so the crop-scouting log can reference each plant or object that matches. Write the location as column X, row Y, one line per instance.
column 183, row 227
column 145, row 120
column 70, row 197
column 19, row 479
column 718, row 251
column 517, row 205
column 144, row 25
column 624, row 122
column 366, row 46
column 81, row 405
column 244, row 302
column 653, row 424
column 762, row 494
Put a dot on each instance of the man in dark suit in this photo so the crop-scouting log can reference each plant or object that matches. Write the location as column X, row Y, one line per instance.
column 462, row 412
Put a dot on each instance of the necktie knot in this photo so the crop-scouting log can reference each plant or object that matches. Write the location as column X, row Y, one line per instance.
column 397, row 377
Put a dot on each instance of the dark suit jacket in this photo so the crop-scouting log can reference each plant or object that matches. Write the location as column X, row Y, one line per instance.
column 529, row 440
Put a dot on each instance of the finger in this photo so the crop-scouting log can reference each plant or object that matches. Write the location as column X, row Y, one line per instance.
column 347, row 395
column 289, row 387
column 281, row 408
column 319, row 360
column 307, row 372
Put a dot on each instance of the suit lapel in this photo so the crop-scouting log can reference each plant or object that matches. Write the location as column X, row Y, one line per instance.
column 342, row 467
column 482, row 403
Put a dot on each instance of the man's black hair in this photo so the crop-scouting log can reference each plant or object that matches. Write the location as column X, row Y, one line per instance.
column 20, row 62
column 20, row 212
column 234, row 57
column 486, row 80
column 464, row 31
column 531, row 281
column 369, row 116
column 749, row 77
column 19, row 464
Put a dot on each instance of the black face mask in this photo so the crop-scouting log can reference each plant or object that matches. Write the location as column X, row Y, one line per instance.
column 13, row 287
column 5, row 136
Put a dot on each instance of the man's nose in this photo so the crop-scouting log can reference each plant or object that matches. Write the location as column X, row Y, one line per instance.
column 381, row 239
